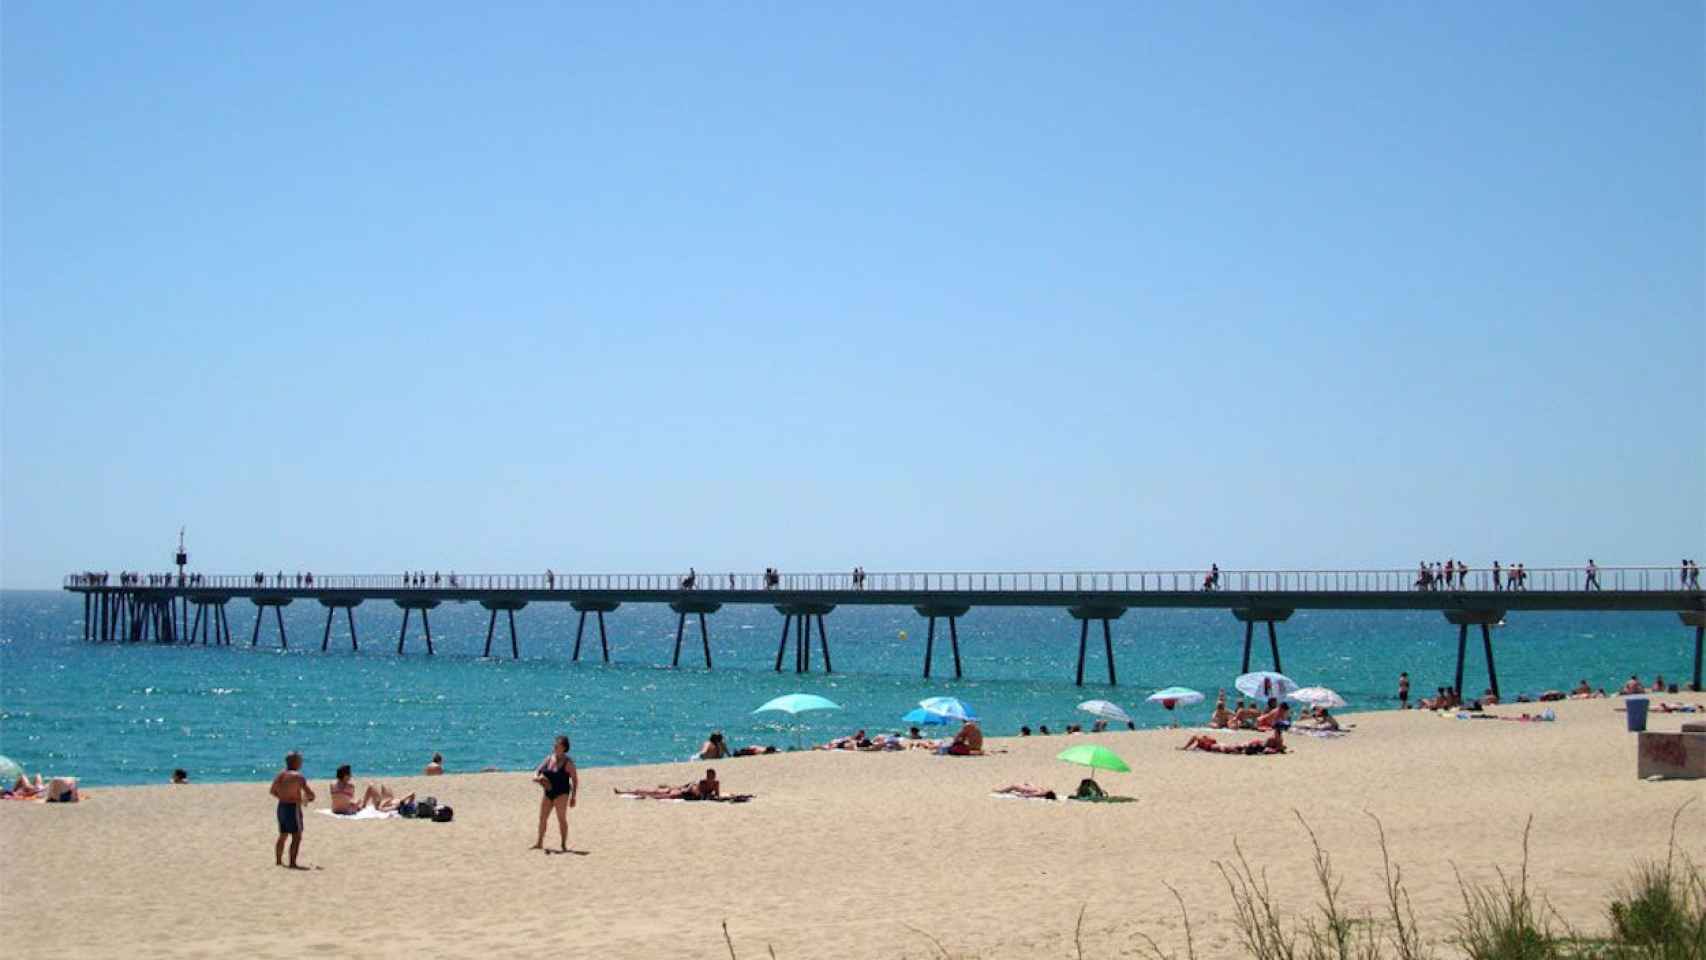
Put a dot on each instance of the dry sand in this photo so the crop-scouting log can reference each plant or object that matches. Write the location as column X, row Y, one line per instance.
column 852, row 855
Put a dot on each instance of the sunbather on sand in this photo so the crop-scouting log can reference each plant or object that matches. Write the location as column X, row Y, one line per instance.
column 707, row 789
column 23, row 789
column 1275, row 716
column 1320, row 719
column 1245, row 716
column 1207, row 744
column 376, row 797
column 1026, row 790
column 853, row 742
column 1089, row 789
column 967, row 742
column 754, row 751
column 1222, row 717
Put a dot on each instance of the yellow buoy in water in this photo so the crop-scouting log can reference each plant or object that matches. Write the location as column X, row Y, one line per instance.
column 903, row 634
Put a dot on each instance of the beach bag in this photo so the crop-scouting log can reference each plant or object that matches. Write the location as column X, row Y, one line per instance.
column 406, row 809
column 426, row 808
column 445, row 814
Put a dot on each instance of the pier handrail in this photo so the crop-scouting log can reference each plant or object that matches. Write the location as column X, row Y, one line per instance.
column 1539, row 580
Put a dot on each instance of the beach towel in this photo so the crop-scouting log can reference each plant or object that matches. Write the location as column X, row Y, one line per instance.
column 1320, row 734
column 1014, row 796
column 367, row 813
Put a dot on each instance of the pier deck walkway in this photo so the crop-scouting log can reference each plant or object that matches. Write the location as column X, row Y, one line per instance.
column 135, row 607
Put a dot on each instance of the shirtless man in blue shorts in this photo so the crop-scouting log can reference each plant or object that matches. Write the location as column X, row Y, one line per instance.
column 291, row 790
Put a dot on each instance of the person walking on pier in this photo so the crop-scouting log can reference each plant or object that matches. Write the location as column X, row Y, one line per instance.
column 692, row 578
column 1496, row 585
column 1592, row 571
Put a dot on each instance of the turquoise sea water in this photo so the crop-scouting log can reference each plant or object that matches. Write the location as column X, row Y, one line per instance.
column 115, row 713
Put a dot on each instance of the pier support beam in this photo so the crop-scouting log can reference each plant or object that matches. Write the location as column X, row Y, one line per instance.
column 599, row 607
column 804, row 612
column 952, row 612
column 1697, row 620
column 510, row 606
column 1485, row 619
column 1107, row 614
column 423, row 604
column 701, row 607
column 332, row 605
column 277, row 603
column 1250, row 616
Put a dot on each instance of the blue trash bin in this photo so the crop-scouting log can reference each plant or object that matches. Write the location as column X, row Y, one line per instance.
column 1637, row 707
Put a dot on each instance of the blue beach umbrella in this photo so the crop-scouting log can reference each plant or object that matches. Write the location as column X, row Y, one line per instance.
column 799, row 703
column 950, row 707
column 10, row 771
column 921, row 716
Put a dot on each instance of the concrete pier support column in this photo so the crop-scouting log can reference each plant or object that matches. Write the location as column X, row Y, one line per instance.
column 803, row 638
column 332, row 603
column 508, row 605
column 423, row 604
column 952, row 612
column 1250, row 616
column 1697, row 620
column 700, row 607
column 1107, row 614
column 1485, row 619
column 600, row 608
column 277, row 602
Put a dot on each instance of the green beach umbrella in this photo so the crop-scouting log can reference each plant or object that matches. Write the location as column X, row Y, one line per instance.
column 1095, row 757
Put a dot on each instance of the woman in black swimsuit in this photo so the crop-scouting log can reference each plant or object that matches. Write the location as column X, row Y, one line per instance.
column 557, row 775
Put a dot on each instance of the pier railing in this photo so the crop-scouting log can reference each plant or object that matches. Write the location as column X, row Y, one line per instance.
column 1537, row 579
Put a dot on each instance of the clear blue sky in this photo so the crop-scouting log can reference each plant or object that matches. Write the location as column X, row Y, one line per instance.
column 918, row 286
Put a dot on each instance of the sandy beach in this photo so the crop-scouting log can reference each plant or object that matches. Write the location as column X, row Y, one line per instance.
column 850, row 854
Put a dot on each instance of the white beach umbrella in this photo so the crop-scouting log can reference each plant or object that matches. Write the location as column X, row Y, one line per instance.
column 1176, row 697
column 1264, row 684
column 1318, row 697
column 1105, row 709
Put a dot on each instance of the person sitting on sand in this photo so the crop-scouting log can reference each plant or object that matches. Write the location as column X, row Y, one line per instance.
column 1089, row 789
column 1221, row 717
column 378, row 798
column 1658, row 684
column 1245, row 718
column 713, row 748
column 180, row 775
column 968, row 742
column 1042, row 730
column 1489, row 698
column 1633, row 686
column 435, row 766
column 1582, row 690
column 1026, row 790
column 1274, row 717
column 912, row 733
column 1323, row 720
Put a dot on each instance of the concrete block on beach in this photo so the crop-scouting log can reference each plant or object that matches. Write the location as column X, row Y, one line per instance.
column 1671, row 756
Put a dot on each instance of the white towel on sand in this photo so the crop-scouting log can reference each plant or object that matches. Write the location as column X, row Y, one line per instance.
column 367, row 813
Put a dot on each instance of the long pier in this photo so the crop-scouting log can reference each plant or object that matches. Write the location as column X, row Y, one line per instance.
column 184, row 607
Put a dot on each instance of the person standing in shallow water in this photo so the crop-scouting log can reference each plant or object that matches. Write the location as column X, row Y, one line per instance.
column 1404, row 691
column 556, row 774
